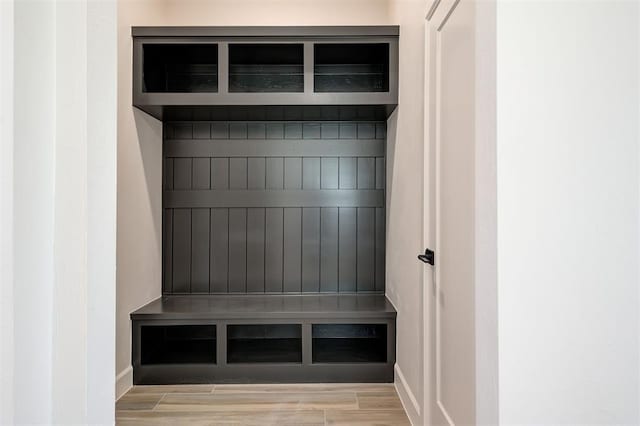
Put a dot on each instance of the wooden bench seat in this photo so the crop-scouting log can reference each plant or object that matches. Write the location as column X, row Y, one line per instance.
column 264, row 339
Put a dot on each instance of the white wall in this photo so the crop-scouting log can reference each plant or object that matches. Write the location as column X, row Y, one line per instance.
column 6, row 212
column 34, row 180
column 276, row 12
column 568, row 230
column 404, row 204
column 140, row 138
column 101, row 204
column 486, row 244
column 60, row 363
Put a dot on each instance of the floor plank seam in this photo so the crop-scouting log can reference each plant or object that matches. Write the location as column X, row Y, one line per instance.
column 158, row 403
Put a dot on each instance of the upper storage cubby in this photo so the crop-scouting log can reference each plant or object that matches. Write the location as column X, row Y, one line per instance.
column 255, row 73
column 351, row 67
column 265, row 67
column 180, row 68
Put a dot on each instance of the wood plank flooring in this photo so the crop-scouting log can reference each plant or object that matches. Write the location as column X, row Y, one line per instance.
column 260, row 405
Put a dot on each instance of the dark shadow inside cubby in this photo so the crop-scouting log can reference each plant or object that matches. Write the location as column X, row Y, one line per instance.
column 180, row 68
column 178, row 344
column 361, row 67
column 266, row 68
column 264, row 343
column 349, row 343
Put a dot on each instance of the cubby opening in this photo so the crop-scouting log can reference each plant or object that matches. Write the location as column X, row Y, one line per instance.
column 180, row 68
column 178, row 344
column 266, row 68
column 347, row 343
column 275, row 343
column 362, row 67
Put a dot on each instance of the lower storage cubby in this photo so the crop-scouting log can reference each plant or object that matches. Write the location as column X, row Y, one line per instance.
column 272, row 343
column 264, row 339
column 349, row 343
column 178, row 344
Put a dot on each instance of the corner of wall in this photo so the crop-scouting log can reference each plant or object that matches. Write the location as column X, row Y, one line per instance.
column 405, row 139
column 124, row 381
column 408, row 399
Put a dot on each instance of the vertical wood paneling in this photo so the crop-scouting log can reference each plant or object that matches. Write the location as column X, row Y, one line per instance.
column 348, row 170
column 256, row 173
column 255, row 250
column 380, row 173
column 168, row 173
column 275, row 131
column 292, row 249
column 201, row 173
column 201, row 131
column 347, row 248
column 237, row 173
column 167, row 249
column 237, row 250
column 329, row 250
column 256, row 131
column 366, row 249
column 311, row 131
column 275, row 173
column 219, row 173
column 275, row 249
column 380, row 248
column 366, row 131
column 311, row 173
column 348, row 131
column 330, row 131
column 220, row 130
column 183, row 131
column 181, row 250
column 237, row 130
column 274, row 243
column 182, row 173
column 200, row 250
column 311, row 250
column 329, row 173
column 366, row 173
column 293, row 130
column 219, row 250
column 292, row 173
column 167, row 130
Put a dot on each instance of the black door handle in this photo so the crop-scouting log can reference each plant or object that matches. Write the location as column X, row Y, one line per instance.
column 428, row 257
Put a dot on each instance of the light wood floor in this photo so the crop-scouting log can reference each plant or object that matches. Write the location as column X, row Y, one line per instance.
column 260, row 405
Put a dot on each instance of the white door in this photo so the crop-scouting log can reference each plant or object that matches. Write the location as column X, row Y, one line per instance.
column 449, row 166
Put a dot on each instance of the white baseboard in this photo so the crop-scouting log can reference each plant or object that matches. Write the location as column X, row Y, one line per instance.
column 408, row 399
column 124, row 382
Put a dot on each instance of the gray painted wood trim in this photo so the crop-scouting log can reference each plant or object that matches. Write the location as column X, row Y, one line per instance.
column 307, row 344
column 266, row 373
column 274, row 198
column 268, row 31
column 138, row 55
column 223, row 67
column 275, row 148
column 308, row 67
column 274, row 306
column 283, row 99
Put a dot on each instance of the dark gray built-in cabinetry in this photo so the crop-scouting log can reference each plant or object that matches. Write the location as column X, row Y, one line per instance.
column 274, row 142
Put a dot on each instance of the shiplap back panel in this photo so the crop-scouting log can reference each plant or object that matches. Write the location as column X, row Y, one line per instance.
column 273, row 207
